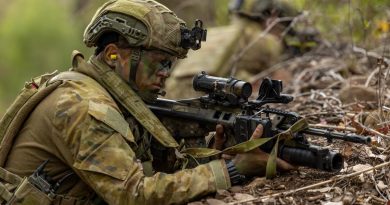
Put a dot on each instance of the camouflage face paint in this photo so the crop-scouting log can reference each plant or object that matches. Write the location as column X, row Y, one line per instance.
column 157, row 61
column 154, row 68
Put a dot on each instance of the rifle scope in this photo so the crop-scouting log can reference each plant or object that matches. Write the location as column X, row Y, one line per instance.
column 226, row 86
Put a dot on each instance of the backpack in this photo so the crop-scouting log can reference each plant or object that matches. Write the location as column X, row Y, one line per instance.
column 14, row 189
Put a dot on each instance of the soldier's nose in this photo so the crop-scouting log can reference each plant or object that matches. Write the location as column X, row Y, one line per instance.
column 163, row 73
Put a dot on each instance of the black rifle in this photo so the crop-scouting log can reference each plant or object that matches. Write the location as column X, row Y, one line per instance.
column 227, row 103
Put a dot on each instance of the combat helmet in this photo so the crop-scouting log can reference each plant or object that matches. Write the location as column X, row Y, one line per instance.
column 262, row 9
column 144, row 23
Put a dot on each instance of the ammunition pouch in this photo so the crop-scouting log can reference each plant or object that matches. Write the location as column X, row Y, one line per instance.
column 26, row 194
column 17, row 190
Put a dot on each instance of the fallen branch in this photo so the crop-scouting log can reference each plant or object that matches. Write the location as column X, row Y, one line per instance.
column 370, row 54
column 333, row 127
column 364, row 129
column 373, row 73
column 337, row 178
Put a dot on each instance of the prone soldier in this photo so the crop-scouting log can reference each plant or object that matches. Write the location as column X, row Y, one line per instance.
column 86, row 136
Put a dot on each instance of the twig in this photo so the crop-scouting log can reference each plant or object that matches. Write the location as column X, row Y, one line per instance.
column 367, row 129
column 298, row 80
column 358, row 103
column 379, row 88
column 333, row 127
column 377, row 199
column 370, row 54
column 270, row 70
column 376, row 187
column 373, row 73
column 325, row 113
column 337, row 178
column 376, row 132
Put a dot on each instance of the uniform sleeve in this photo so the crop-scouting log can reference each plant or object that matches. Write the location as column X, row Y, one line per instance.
column 99, row 143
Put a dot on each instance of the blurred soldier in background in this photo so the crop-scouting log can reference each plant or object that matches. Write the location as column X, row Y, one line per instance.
column 254, row 41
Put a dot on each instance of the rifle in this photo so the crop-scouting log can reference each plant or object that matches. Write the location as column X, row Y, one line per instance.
column 227, row 103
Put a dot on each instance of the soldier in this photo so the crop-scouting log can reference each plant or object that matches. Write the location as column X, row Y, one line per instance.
column 90, row 133
column 239, row 49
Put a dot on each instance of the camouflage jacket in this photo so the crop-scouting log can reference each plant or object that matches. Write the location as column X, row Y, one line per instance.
column 80, row 128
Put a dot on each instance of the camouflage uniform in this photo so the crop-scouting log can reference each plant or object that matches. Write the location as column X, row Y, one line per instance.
column 222, row 54
column 99, row 136
column 79, row 128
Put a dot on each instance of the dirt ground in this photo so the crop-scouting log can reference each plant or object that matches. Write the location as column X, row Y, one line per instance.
column 342, row 88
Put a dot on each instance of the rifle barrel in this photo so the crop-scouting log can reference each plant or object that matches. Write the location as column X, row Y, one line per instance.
column 337, row 135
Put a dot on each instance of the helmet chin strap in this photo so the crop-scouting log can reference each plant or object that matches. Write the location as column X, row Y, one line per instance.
column 134, row 63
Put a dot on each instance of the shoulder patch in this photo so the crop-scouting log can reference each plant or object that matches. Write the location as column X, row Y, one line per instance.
column 112, row 118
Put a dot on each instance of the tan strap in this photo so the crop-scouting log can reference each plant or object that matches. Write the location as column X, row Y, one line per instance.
column 134, row 104
column 12, row 111
column 5, row 195
column 70, row 75
column 9, row 177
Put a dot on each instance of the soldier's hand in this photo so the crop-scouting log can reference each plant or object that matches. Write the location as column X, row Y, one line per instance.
column 254, row 163
column 219, row 138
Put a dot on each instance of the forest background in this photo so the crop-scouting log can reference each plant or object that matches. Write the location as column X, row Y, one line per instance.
column 38, row 36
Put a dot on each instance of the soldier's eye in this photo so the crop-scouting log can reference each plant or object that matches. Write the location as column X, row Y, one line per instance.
column 166, row 63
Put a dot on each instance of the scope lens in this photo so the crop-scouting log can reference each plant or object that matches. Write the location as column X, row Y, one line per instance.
column 245, row 89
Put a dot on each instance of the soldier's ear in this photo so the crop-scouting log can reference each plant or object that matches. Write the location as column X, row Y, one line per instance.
column 111, row 55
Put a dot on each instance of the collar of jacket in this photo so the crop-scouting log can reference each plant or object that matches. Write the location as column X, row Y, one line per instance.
column 124, row 94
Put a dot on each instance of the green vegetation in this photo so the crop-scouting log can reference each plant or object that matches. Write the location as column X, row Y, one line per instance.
column 357, row 21
column 221, row 12
column 36, row 36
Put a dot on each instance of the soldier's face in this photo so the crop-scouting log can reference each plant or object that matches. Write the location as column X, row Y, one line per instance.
column 154, row 68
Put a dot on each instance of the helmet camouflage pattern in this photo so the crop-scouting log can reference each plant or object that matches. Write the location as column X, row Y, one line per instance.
column 262, row 8
column 144, row 23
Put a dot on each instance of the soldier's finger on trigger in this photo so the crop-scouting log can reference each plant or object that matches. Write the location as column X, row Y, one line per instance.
column 258, row 132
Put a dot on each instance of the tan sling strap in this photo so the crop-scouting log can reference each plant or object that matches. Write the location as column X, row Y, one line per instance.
column 134, row 104
column 9, row 177
column 12, row 180
column 31, row 95
column 5, row 194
